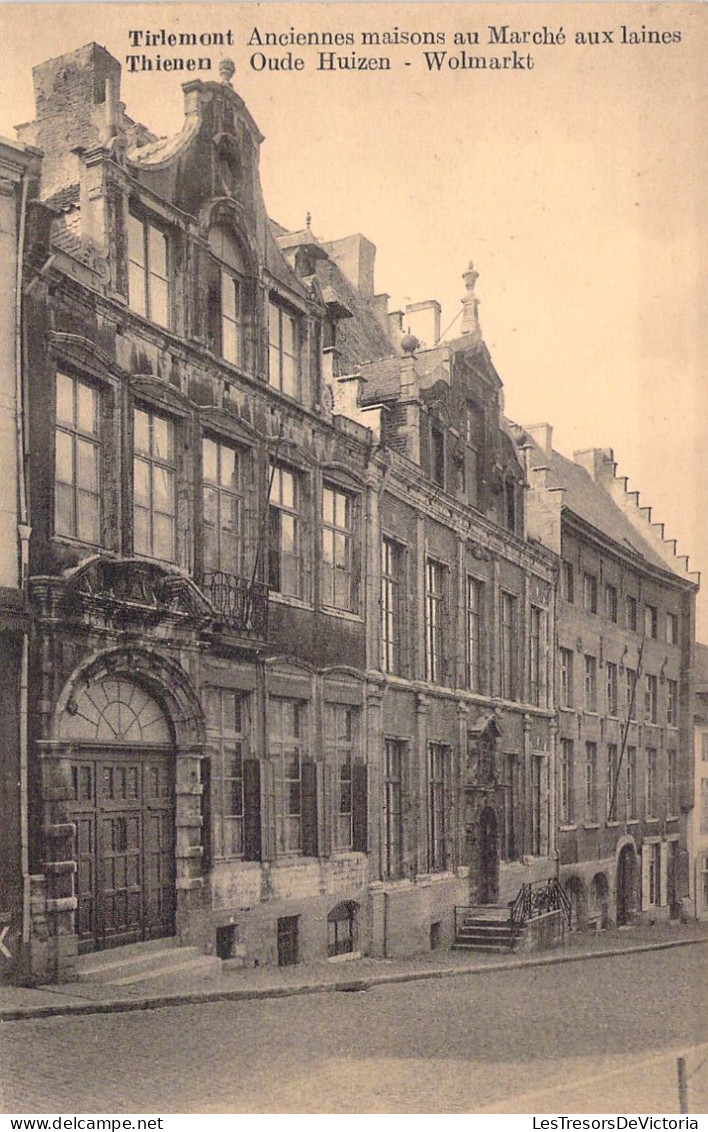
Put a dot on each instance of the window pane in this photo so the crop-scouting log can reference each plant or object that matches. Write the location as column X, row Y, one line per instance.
column 341, row 514
column 163, row 493
column 159, row 301
column 328, row 505
column 157, row 250
column 161, row 438
column 229, row 341
column 209, row 460
column 136, row 240
column 328, row 546
column 141, row 438
column 87, row 465
column 274, row 324
column 227, row 475
column 211, row 506
column 141, row 482
column 229, row 306
column 274, row 366
column 64, row 507
column 141, row 530
column 288, row 534
column 288, row 330
column 65, row 399
column 163, row 537
column 86, row 406
column 340, row 550
column 289, row 385
column 64, row 458
column 287, row 489
column 88, row 517
column 136, row 288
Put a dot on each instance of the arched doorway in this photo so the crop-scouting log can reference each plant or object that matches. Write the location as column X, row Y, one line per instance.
column 488, row 857
column 626, row 885
column 599, row 909
column 123, row 805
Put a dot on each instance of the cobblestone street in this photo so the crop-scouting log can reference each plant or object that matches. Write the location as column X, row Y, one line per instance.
column 597, row 1036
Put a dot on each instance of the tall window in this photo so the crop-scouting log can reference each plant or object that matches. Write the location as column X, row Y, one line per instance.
column 284, row 533
column 536, row 642
column 392, row 578
column 566, row 782
column 153, row 485
column 631, row 783
column 148, row 265
column 612, row 783
column 590, row 683
column 77, row 499
column 393, row 808
column 338, row 549
column 475, row 634
column 511, row 807
column 566, row 678
column 437, row 445
column 438, row 815
column 653, row 871
column 651, row 621
column 221, row 493
column 227, row 729
column 590, row 593
column 286, row 725
column 671, row 783
column 672, row 628
column 650, row 698
column 538, row 789
column 434, row 615
column 672, row 703
column 631, row 613
column 611, row 606
column 230, row 297
column 704, row 805
column 282, row 368
column 612, row 688
column 567, row 582
column 509, row 645
column 591, row 782
column 341, row 733
column 650, row 798
column 630, row 676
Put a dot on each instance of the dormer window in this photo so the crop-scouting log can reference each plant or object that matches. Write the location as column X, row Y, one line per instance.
column 148, row 270
column 226, row 302
column 282, row 357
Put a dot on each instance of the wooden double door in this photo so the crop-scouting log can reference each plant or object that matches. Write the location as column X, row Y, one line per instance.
column 124, row 810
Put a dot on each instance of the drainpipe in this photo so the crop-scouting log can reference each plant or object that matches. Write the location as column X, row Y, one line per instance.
column 23, row 530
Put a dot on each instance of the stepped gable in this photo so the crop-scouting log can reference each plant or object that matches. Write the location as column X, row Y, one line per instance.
column 601, row 498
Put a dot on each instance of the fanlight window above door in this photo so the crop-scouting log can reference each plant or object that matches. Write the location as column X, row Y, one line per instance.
column 114, row 710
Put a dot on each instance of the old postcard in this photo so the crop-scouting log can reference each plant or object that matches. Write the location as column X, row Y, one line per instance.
column 354, row 698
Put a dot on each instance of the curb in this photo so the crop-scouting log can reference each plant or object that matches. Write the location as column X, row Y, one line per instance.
column 156, row 1002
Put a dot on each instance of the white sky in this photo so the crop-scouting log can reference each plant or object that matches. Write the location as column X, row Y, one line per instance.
column 578, row 188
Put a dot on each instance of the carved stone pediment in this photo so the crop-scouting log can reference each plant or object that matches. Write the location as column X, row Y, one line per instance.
column 123, row 590
column 481, row 763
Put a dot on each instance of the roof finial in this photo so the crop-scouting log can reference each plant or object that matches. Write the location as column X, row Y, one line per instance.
column 470, row 305
column 227, row 69
column 308, row 220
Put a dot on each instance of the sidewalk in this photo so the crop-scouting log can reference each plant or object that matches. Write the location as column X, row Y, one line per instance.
column 357, row 975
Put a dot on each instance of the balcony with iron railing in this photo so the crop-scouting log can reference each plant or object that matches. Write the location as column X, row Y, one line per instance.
column 241, row 603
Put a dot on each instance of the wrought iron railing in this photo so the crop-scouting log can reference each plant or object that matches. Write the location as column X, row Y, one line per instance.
column 241, row 603
column 537, row 899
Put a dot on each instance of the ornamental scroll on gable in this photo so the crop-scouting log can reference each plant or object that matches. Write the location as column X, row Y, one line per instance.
column 481, row 762
column 129, row 588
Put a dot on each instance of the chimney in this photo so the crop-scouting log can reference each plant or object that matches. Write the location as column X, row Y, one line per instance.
column 379, row 307
column 470, row 306
column 355, row 256
column 423, row 320
column 76, row 96
column 542, row 434
column 599, row 462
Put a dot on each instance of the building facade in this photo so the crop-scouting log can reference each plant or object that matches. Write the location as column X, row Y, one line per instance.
column 291, row 677
column 698, row 836
column 625, row 617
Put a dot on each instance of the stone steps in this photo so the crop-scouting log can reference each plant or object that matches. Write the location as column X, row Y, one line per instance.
column 141, row 962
